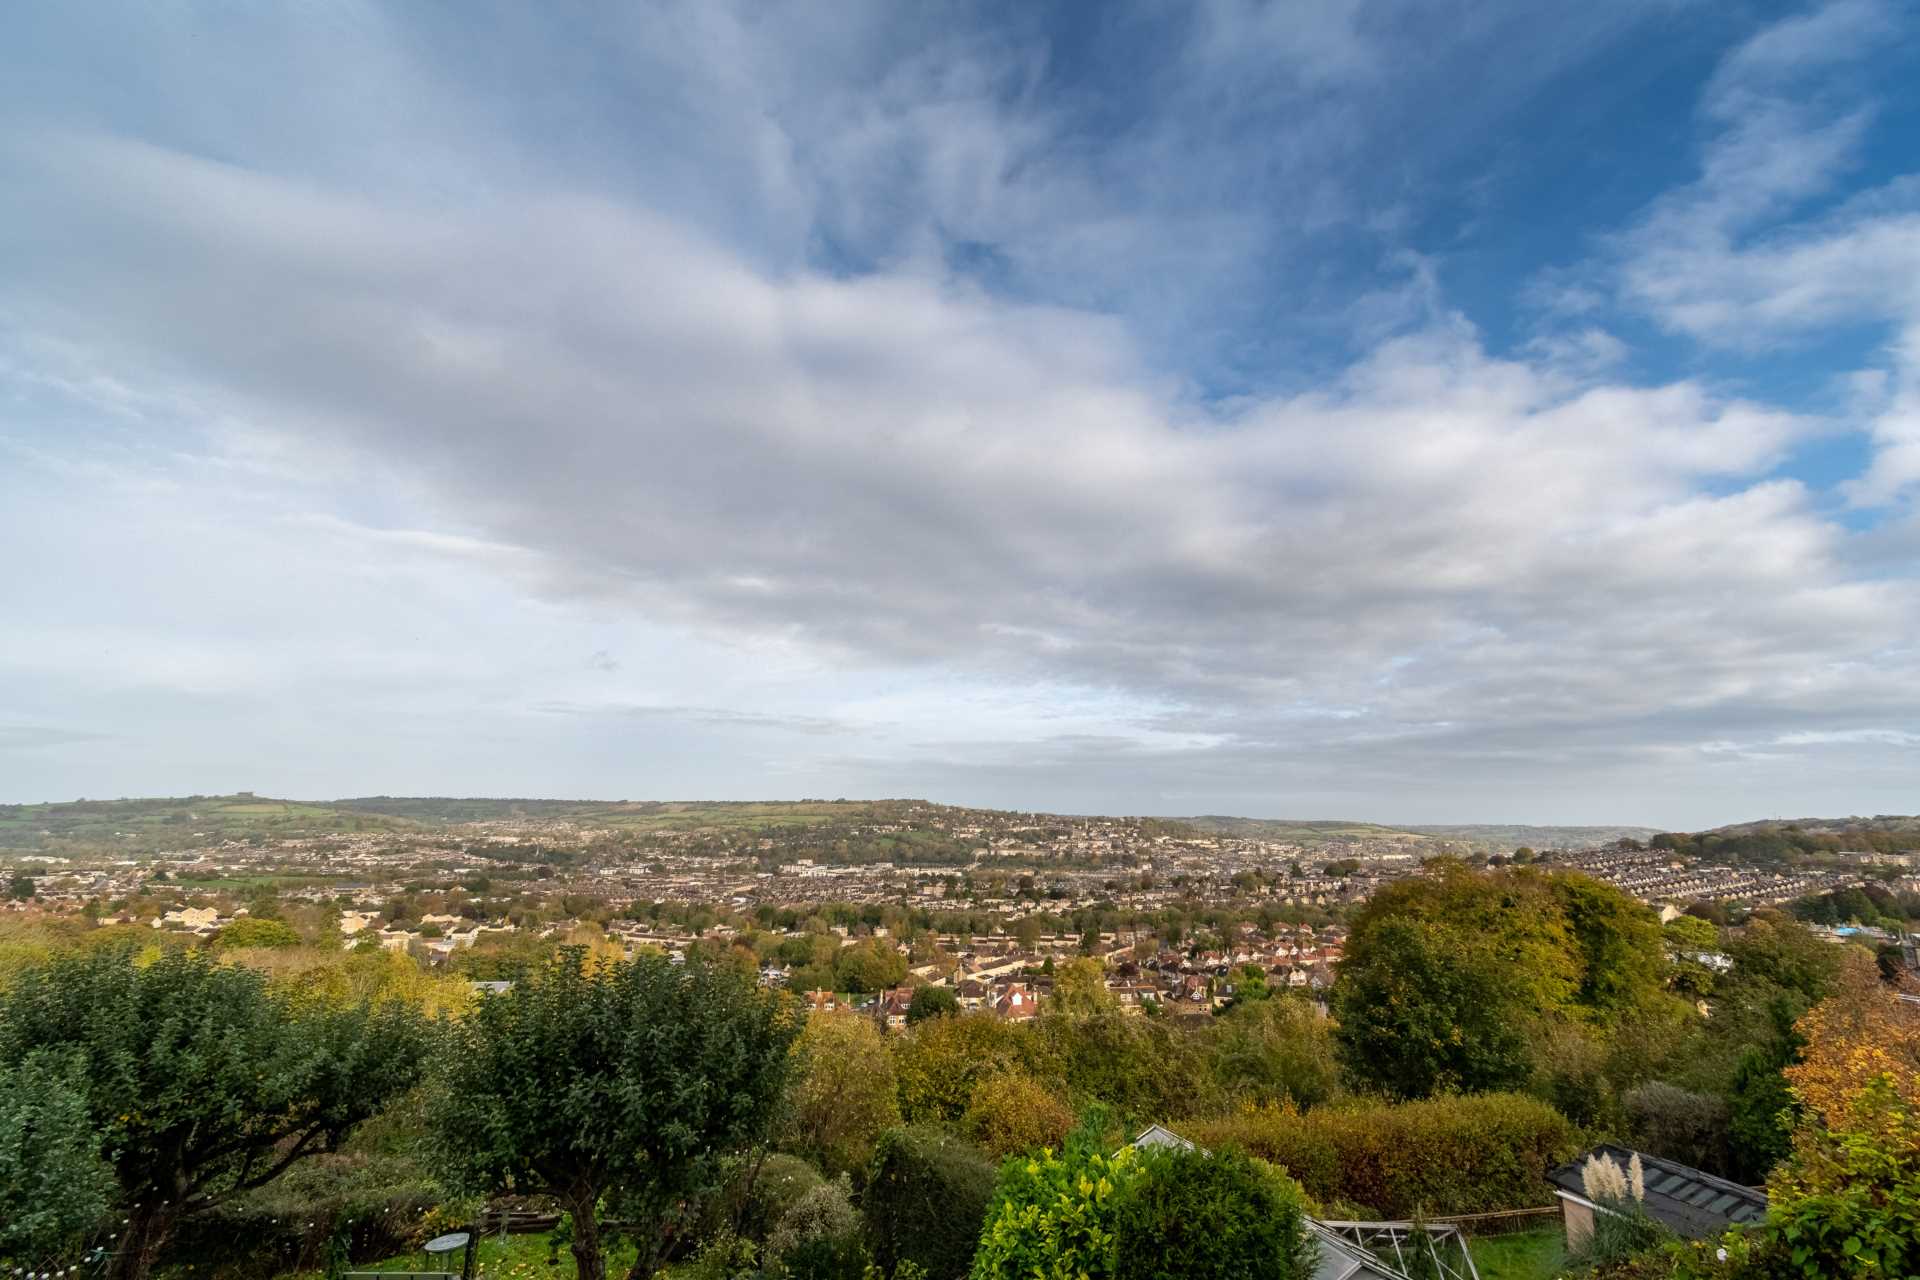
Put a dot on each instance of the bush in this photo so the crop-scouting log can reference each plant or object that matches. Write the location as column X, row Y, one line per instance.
column 824, row 1212
column 1447, row 1155
column 1193, row 1216
column 1012, row 1112
column 926, row 1198
column 1666, row 1120
column 372, row 1204
column 1055, row 1215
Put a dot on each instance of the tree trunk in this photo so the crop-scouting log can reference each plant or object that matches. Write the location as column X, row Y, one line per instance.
column 587, row 1260
column 148, row 1226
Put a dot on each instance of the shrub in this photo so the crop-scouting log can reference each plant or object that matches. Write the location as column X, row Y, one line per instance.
column 926, row 1197
column 761, row 1197
column 1679, row 1124
column 826, row 1211
column 938, row 1063
column 1446, row 1155
column 1193, row 1216
column 372, row 1205
column 1054, row 1217
column 1012, row 1112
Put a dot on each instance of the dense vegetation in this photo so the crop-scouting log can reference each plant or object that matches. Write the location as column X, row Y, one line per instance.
column 268, row 1101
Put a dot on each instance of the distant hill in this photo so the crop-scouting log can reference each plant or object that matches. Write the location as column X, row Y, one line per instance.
column 170, row 822
column 1498, row 837
column 1888, row 822
column 1477, row 837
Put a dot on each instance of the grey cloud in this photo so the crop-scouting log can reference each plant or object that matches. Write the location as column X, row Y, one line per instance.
column 905, row 471
column 711, row 717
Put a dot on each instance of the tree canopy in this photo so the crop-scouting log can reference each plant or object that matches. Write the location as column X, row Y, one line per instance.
column 202, row 1081
column 630, row 1081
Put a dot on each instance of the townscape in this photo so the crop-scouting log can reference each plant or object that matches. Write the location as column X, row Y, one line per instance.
column 921, row 995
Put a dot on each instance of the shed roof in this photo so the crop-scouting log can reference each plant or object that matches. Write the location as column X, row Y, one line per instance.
column 1691, row 1201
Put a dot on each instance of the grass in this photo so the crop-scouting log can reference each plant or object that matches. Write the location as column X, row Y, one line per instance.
column 1524, row 1255
column 521, row 1257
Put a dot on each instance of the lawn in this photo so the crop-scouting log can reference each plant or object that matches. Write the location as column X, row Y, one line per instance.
column 519, row 1257
column 1524, row 1255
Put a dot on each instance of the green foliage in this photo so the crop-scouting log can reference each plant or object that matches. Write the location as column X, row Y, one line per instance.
column 1012, row 1112
column 203, row 1081
column 1448, row 1155
column 867, row 966
column 1188, row 1215
column 251, row 931
column 632, row 1079
column 1692, row 1128
column 1054, row 1217
column 926, row 1198
column 932, row 1002
column 940, row 1061
column 54, row 1187
column 1427, row 1008
column 1848, row 1203
column 844, row 1094
column 1461, row 980
column 359, row 1205
column 825, row 1213
column 1143, row 1068
column 1626, row 1233
column 1276, row 1050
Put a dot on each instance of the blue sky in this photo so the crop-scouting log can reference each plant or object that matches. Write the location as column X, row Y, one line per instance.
column 1381, row 410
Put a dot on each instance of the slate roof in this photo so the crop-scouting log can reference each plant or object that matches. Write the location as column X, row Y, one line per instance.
column 1693, row 1203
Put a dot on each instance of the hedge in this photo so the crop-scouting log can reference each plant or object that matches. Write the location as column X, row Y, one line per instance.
column 926, row 1198
column 1470, row 1154
column 378, row 1205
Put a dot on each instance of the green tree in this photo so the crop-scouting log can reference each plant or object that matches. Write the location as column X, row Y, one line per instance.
column 1422, row 1010
column 203, row 1081
column 926, row 1198
column 932, row 1002
column 1276, row 1050
column 872, row 964
column 251, row 931
column 844, row 1094
column 631, row 1081
column 1080, row 990
column 20, row 886
column 54, row 1187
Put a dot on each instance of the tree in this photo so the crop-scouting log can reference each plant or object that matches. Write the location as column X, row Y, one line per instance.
column 870, row 965
column 1422, row 1011
column 932, row 1002
column 54, row 1187
column 1080, row 990
column 1026, row 931
column 927, row 1195
column 20, row 886
column 249, row 931
column 203, row 1081
column 844, row 1094
column 630, row 1081
column 1277, row 1050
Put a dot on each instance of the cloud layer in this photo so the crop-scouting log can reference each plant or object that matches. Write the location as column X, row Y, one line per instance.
column 845, row 442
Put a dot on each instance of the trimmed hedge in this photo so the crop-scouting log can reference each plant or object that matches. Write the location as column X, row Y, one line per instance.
column 377, row 1205
column 925, row 1202
column 1192, row 1216
column 1471, row 1154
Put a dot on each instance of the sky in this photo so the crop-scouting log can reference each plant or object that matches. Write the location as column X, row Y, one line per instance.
column 1327, row 408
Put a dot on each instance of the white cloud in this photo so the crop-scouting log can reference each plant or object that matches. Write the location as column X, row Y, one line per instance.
column 337, row 456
